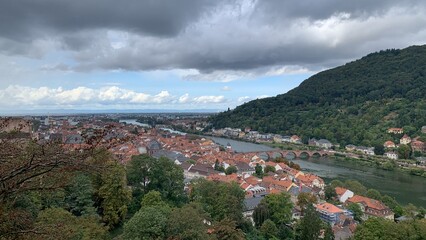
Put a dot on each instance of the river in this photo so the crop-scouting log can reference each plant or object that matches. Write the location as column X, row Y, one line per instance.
column 134, row 122
column 403, row 187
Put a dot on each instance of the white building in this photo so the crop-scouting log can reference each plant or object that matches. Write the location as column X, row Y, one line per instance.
column 391, row 155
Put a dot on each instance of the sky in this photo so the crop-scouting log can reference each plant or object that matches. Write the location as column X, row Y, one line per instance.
column 186, row 54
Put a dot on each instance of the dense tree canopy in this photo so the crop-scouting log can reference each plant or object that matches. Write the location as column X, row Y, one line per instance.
column 220, row 200
column 310, row 225
column 280, row 207
column 145, row 173
column 113, row 196
column 383, row 229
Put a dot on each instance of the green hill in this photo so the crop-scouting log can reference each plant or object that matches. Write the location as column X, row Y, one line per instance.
column 354, row 103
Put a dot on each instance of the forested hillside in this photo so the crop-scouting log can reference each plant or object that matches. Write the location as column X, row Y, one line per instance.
column 354, row 103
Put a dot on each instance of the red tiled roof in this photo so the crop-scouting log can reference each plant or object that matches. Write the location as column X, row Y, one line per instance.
column 340, row 190
column 371, row 203
column 389, row 143
column 328, row 207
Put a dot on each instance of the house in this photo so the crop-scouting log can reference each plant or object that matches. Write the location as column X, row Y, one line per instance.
column 389, row 144
column 278, row 138
column 73, row 139
column 343, row 194
column 395, row 130
column 391, row 155
column 371, row 207
column 153, row 146
column 197, row 171
column 424, row 129
column 312, row 142
column 330, row 213
column 310, row 180
column 366, row 150
column 243, row 168
column 350, row 147
column 344, row 230
column 418, row 146
column 286, row 139
column 177, row 157
column 295, row 139
column 324, row 143
column 405, row 139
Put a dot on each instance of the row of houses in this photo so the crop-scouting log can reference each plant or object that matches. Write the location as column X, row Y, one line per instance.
column 360, row 149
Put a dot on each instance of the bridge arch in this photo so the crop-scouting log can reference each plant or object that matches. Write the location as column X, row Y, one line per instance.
column 304, row 155
column 290, row 155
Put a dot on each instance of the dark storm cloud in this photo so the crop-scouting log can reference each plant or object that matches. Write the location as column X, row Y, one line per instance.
column 22, row 19
column 315, row 9
column 238, row 35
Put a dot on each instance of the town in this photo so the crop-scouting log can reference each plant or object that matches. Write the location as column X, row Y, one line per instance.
column 258, row 174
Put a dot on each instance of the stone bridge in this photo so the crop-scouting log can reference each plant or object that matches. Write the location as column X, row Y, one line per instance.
column 296, row 153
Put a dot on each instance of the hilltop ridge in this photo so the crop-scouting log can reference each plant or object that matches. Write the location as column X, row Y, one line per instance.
column 350, row 104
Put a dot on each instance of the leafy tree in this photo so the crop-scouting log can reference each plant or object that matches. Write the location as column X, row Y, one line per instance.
column 227, row 229
column 113, row 195
column 137, row 177
column 231, row 170
column 329, row 192
column 328, row 233
column 280, row 207
column 355, row 187
column 310, row 225
column 269, row 230
column 393, row 204
column 258, row 171
column 374, row 194
column 57, row 223
column 294, row 166
column 29, row 165
column 187, row 223
column 411, row 211
column 55, row 199
column 379, row 228
column 79, row 195
column 18, row 216
column 260, row 214
column 375, row 228
column 379, row 149
column 357, row 211
column 147, row 223
column 146, row 173
column 404, row 151
column 305, row 199
column 220, row 200
column 336, row 183
column 421, row 214
column 218, row 166
column 269, row 168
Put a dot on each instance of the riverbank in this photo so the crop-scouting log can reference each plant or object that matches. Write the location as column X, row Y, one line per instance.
column 405, row 188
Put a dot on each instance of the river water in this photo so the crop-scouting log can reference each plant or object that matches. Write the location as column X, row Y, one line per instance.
column 134, row 122
column 403, row 187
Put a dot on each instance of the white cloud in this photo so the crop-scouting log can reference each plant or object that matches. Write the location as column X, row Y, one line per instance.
column 21, row 97
column 244, row 99
column 184, row 98
column 226, row 88
column 209, row 99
